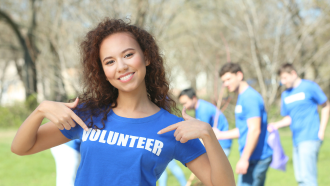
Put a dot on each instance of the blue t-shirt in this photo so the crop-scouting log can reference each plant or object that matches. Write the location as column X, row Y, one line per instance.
column 75, row 144
column 249, row 105
column 128, row 151
column 206, row 112
column 300, row 103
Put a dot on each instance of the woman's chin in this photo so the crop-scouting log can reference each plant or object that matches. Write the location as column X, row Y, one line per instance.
column 132, row 87
column 127, row 89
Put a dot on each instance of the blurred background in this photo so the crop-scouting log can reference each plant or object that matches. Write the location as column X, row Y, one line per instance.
column 40, row 60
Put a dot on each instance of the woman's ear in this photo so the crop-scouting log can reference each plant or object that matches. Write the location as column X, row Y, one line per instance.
column 145, row 58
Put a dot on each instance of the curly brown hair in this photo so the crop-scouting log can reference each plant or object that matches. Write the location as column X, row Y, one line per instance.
column 99, row 96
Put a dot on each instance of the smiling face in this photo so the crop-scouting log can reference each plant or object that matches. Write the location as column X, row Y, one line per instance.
column 123, row 61
column 232, row 80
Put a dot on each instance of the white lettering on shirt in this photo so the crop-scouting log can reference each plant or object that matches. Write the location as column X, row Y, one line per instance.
column 86, row 134
column 149, row 144
column 295, row 97
column 238, row 109
column 158, row 147
column 123, row 140
column 141, row 142
column 102, row 136
column 133, row 138
column 112, row 139
column 95, row 135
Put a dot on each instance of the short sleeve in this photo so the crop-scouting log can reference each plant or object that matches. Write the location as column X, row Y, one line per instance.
column 186, row 152
column 73, row 133
column 284, row 111
column 252, row 108
column 317, row 94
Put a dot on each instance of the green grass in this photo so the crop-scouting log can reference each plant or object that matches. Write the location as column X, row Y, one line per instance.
column 39, row 169
column 275, row 177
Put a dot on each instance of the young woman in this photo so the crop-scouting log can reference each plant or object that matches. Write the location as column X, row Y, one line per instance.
column 131, row 134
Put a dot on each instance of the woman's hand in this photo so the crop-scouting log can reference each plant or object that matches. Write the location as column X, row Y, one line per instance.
column 213, row 167
column 189, row 129
column 61, row 114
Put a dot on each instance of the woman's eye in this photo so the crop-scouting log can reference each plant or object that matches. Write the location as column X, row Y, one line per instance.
column 110, row 62
column 128, row 55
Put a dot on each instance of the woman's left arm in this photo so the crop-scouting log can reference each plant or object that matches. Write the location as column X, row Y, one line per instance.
column 212, row 168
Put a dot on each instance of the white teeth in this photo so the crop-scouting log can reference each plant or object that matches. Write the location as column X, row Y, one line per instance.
column 126, row 77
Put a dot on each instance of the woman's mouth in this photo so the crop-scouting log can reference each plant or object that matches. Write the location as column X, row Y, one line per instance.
column 127, row 77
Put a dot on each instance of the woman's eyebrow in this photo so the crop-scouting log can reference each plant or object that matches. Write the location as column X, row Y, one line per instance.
column 121, row 52
column 127, row 50
column 109, row 57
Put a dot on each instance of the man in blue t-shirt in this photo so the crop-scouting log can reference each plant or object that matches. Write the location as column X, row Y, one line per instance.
column 251, row 128
column 299, row 108
column 206, row 112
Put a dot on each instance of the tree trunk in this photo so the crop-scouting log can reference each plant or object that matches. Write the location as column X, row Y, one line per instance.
column 58, row 93
column 29, row 73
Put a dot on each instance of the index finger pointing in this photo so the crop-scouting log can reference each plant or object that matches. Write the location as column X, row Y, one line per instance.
column 169, row 128
column 79, row 121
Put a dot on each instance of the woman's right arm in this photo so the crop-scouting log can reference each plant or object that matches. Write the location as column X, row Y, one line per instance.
column 32, row 138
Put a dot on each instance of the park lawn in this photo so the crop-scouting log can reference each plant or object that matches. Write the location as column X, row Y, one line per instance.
column 276, row 177
column 39, row 169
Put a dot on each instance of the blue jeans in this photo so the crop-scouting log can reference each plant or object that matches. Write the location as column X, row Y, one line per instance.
column 305, row 156
column 176, row 171
column 256, row 173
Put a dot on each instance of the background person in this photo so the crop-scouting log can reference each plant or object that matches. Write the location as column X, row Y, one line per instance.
column 207, row 112
column 299, row 107
column 251, row 128
column 67, row 159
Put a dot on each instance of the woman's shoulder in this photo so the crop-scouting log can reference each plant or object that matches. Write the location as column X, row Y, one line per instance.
column 170, row 116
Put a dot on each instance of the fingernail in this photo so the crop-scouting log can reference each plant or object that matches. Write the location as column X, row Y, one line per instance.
column 159, row 132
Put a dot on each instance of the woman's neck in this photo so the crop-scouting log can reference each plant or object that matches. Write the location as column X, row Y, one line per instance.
column 135, row 104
